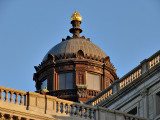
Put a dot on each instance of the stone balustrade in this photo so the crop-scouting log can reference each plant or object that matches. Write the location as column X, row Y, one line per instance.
column 127, row 79
column 92, row 93
column 154, row 61
column 103, row 97
column 130, row 78
column 12, row 95
column 45, row 107
column 151, row 62
column 7, row 116
column 68, row 108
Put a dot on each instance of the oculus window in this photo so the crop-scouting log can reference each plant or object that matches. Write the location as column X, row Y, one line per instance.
column 44, row 84
column 93, row 81
column 65, row 81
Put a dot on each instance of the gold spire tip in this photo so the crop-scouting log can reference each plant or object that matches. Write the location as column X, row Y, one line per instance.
column 76, row 16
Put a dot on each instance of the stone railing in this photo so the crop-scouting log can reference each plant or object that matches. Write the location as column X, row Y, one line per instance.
column 127, row 79
column 45, row 107
column 101, row 97
column 92, row 93
column 43, row 104
column 139, row 70
column 68, row 108
column 134, row 75
column 12, row 95
column 154, row 61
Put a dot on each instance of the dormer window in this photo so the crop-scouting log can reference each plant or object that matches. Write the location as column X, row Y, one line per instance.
column 65, row 81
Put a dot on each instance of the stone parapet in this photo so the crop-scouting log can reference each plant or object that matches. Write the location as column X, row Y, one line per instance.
column 45, row 107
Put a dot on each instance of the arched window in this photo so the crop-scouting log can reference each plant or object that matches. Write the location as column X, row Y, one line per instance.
column 80, row 54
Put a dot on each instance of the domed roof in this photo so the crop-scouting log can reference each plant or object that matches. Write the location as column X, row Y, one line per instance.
column 73, row 46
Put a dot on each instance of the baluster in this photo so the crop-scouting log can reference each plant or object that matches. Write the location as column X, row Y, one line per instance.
column 1, row 94
column 134, row 75
column 101, row 98
column 95, row 102
column 83, row 112
column 64, row 108
column 77, row 111
column 87, row 112
column 21, row 101
column 126, row 82
column 73, row 109
column 16, row 100
column 69, row 110
column 155, row 60
column 11, row 98
column 18, row 118
column 6, row 97
column 2, row 116
column 139, row 72
column 58, row 108
column 92, row 114
column 10, row 117
column 55, row 106
column 150, row 64
column 111, row 91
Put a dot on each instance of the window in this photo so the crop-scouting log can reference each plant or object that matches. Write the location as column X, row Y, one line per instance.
column 133, row 111
column 65, row 81
column 93, row 81
column 44, row 84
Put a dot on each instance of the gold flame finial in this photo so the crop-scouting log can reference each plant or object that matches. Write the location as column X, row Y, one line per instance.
column 76, row 16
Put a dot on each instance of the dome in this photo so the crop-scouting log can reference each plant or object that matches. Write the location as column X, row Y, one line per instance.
column 73, row 46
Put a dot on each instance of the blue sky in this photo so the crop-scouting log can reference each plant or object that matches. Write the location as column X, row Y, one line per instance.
column 127, row 30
